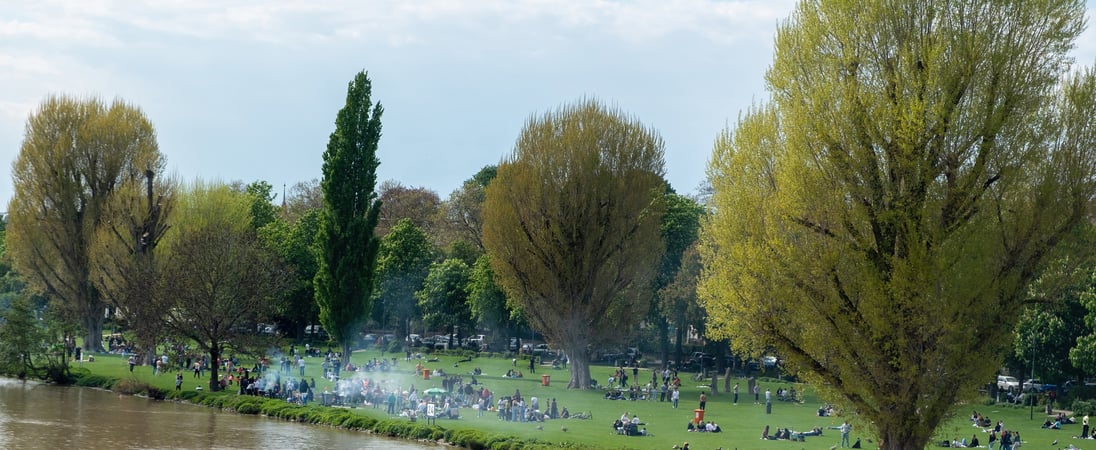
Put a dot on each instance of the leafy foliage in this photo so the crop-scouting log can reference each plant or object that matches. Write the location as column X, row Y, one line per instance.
column 216, row 281
column 571, row 225
column 347, row 246
column 444, row 296
column 879, row 222
column 75, row 155
column 404, row 262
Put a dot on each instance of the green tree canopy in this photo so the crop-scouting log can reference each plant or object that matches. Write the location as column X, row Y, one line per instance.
column 216, row 281
column 879, row 221
column 295, row 243
column 347, row 246
column 487, row 301
column 75, row 155
column 571, row 225
column 443, row 298
column 404, row 262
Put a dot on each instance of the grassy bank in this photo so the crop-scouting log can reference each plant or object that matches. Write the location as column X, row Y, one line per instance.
column 742, row 424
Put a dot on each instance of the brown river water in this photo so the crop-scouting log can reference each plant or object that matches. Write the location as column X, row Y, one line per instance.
column 38, row 416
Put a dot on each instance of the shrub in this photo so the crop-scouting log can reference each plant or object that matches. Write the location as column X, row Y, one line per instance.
column 394, row 346
column 1083, row 407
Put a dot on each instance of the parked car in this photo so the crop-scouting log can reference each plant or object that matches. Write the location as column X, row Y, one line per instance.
column 414, row 340
column 1033, row 385
column 1006, row 383
column 441, row 341
column 315, row 332
column 369, row 340
column 543, row 350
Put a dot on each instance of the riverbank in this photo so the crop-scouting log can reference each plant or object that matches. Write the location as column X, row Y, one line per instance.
column 741, row 424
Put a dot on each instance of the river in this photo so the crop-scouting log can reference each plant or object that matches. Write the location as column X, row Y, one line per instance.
column 34, row 415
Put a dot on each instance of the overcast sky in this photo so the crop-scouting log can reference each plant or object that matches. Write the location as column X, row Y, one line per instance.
column 249, row 90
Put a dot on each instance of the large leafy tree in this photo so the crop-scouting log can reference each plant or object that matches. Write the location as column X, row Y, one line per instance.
column 421, row 205
column 878, row 222
column 443, row 298
column 571, row 225
column 464, row 208
column 123, row 258
column 295, row 243
column 262, row 206
column 404, row 262
column 216, row 280
column 346, row 243
column 680, row 228
column 75, row 155
column 24, row 340
column 488, row 303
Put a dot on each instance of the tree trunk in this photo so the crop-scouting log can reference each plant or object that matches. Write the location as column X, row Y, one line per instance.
column 727, row 380
column 93, row 337
column 214, row 356
column 580, row 370
column 715, row 383
column 663, row 341
column 680, row 337
column 346, row 350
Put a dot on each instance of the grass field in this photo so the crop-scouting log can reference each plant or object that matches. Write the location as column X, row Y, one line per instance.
column 742, row 424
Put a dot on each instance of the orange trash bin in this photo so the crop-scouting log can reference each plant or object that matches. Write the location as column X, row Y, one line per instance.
column 545, row 379
column 698, row 416
column 426, row 374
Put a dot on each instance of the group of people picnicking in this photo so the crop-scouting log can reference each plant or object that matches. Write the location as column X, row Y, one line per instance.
column 630, row 426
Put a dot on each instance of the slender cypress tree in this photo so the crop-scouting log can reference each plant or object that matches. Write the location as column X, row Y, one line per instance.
column 347, row 247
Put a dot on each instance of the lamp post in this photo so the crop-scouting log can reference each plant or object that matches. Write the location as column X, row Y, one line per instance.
column 1031, row 410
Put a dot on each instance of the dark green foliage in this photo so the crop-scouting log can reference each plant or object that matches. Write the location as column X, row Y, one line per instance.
column 1083, row 407
column 23, row 349
column 346, row 244
column 102, row 381
column 404, row 262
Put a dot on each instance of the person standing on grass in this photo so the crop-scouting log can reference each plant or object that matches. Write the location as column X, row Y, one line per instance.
column 675, row 396
column 703, row 399
column 757, row 394
column 179, row 381
column 735, row 401
column 845, row 428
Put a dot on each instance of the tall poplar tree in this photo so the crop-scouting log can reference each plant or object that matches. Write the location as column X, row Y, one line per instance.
column 346, row 242
column 571, row 226
column 75, row 155
column 879, row 222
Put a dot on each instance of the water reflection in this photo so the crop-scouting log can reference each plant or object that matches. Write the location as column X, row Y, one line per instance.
column 42, row 416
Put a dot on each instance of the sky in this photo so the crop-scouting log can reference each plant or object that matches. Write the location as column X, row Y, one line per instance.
column 249, row 90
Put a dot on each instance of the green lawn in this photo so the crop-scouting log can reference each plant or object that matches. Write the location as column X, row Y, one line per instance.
column 742, row 423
